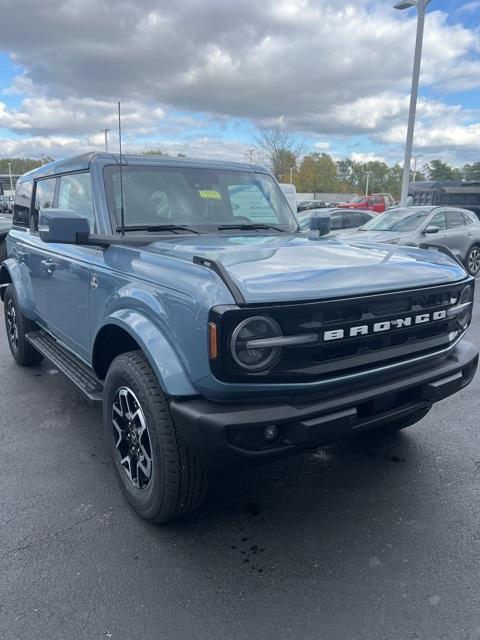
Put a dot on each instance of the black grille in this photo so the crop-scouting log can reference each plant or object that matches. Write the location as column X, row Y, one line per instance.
column 324, row 358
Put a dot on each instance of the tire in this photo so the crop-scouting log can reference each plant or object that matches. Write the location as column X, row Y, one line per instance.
column 17, row 326
column 159, row 475
column 472, row 260
column 403, row 423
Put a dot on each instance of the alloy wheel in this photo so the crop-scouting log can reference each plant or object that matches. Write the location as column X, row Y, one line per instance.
column 474, row 261
column 12, row 329
column 131, row 437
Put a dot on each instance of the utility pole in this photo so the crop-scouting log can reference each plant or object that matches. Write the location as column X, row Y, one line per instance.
column 250, row 152
column 105, row 131
column 291, row 174
column 421, row 6
column 10, row 172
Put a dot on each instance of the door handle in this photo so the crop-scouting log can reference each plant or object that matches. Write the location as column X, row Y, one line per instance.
column 49, row 265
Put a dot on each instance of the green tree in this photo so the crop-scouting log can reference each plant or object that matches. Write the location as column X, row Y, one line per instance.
column 471, row 172
column 344, row 173
column 440, row 170
column 22, row 165
column 284, row 161
column 317, row 173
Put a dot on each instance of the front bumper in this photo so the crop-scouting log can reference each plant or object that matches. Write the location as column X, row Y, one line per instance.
column 222, row 434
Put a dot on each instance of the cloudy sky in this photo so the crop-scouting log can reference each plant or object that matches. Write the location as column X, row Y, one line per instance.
column 197, row 76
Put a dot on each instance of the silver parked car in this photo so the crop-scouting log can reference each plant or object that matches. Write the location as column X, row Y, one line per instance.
column 451, row 227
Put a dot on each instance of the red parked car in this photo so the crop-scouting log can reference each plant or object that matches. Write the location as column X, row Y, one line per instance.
column 376, row 202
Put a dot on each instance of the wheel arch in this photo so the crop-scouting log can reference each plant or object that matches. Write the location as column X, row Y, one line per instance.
column 129, row 330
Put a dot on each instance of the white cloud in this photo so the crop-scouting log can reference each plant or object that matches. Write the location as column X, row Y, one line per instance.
column 366, row 157
column 470, row 7
column 64, row 146
column 327, row 68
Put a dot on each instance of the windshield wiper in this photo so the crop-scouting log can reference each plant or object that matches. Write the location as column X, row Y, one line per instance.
column 249, row 227
column 158, row 227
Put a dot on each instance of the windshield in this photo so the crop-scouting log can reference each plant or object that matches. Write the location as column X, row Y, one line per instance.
column 357, row 200
column 397, row 220
column 203, row 199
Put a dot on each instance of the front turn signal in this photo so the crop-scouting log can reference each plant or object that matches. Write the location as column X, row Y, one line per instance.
column 212, row 340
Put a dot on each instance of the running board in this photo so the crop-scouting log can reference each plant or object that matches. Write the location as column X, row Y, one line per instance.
column 76, row 370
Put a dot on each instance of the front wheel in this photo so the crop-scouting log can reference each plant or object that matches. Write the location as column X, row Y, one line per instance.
column 472, row 261
column 17, row 326
column 159, row 475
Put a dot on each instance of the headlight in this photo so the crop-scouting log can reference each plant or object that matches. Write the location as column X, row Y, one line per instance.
column 254, row 357
column 465, row 301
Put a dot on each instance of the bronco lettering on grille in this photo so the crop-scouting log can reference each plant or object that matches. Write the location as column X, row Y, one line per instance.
column 386, row 325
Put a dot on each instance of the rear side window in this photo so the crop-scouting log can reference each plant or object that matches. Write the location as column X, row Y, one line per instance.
column 75, row 193
column 455, row 219
column 468, row 219
column 22, row 203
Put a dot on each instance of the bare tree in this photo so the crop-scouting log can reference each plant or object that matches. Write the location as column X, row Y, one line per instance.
column 279, row 147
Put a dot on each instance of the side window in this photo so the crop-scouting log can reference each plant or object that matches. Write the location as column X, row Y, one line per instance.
column 364, row 218
column 455, row 219
column 439, row 221
column 75, row 193
column 352, row 220
column 335, row 222
column 44, row 195
column 468, row 219
column 22, row 203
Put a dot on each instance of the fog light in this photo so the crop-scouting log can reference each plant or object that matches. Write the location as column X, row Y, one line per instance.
column 271, row 433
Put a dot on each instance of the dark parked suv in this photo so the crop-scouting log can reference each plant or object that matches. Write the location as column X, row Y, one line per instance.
column 182, row 297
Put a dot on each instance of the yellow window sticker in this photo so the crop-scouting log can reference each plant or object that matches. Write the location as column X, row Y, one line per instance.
column 208, row 194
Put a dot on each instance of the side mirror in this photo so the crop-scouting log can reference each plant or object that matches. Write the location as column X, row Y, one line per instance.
column 431, row 229
column 322, row 224
column 63, row 225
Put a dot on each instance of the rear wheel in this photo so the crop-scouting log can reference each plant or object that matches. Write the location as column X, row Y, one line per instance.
column 472, row 261
column 159, row 475
column 17, row 326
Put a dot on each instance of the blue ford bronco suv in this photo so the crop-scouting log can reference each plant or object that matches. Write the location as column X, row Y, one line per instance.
column 181, row 295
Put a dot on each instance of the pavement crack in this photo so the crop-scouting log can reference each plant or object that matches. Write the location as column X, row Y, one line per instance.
column 51, row 535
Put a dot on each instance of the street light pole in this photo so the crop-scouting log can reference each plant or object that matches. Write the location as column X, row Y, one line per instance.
column 105, row 131
column 421, row 10
column 291, row 174
column 250, row 152
column 10, row 172
column 415, row 158
column 368, row 182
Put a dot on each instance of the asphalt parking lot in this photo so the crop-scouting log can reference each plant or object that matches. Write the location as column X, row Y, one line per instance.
column 374, row 538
